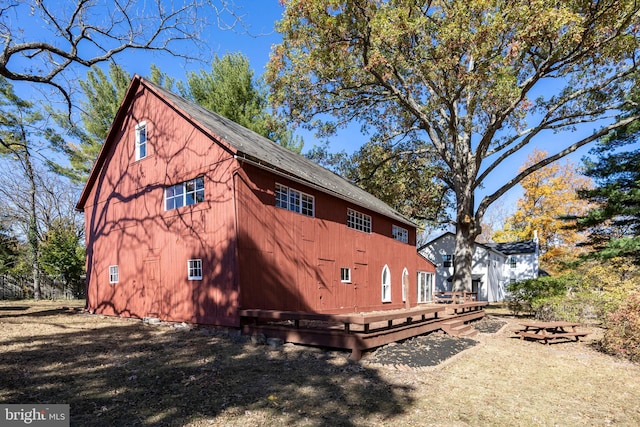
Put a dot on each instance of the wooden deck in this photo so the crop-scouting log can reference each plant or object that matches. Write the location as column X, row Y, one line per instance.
column 357, row 331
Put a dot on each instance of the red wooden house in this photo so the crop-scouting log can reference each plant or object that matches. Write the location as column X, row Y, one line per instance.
column 191, row 217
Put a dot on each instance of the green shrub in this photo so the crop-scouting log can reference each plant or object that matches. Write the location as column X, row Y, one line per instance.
column 583, row 307
column 622, row 334
column 526, row 295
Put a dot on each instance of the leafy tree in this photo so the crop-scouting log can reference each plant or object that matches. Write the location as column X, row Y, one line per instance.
column 8, row 250
column 478, row 81
column 402, row 177
column 161, row 78
column 549, row 195
column 322, row 155
column 42, row 40
column 63, row 254
column 230, row 90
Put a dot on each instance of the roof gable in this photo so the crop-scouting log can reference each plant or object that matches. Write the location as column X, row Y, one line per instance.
column 248, row 146
column 509, row 248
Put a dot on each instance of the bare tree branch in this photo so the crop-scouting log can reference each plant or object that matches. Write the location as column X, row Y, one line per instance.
column 487, row 200
column 90, row 32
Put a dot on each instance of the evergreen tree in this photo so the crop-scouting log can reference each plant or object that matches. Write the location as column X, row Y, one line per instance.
column 230, row 90
column 103, row 95
column 614, row 224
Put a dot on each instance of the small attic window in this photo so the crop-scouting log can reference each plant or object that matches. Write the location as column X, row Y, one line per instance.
column 141, row 140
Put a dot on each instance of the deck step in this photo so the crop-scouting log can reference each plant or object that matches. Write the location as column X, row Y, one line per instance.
column 458, row 328
column 470, row 333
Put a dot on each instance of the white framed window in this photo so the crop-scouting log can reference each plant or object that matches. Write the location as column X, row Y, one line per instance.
column 194, row 269
column 358, row 221
column 447, row 260
column 141, row 140
column 294, row 200
column 386, row 284
column 114, row 274
column 513, row 262
column 345, row 275
column 399, row 233
column 184, row 194
column 405, row 284
column 425, row 286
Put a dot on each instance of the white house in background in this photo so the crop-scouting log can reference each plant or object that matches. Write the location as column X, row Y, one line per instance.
column 495, row 265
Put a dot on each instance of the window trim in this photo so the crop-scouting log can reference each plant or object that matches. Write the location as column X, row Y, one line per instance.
column 399, row 233
column 428, row 284
column 140, row 127
column 114, row 274
column 185, row 193
column 345, row 278
column 405, row 286
column 194, row 269
column 359, row 221
column 295, row 200
column 513, row 262
column 386, row 284
column 448, row 260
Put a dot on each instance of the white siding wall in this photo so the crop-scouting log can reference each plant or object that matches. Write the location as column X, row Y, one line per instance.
column 526, row 267
column 491, row 267
column 435, row 252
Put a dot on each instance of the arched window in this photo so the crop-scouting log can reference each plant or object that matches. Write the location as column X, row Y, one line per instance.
column 386, row 284
column 405, row 284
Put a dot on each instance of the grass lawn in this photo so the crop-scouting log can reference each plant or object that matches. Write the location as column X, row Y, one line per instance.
column 119, row 372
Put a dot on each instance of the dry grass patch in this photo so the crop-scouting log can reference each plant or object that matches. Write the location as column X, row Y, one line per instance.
column 123, row 372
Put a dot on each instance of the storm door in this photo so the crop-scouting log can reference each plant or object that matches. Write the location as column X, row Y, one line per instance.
column 425, row 287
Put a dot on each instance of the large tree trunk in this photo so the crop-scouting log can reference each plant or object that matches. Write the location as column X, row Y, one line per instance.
column 463, row 259
column 467, row 230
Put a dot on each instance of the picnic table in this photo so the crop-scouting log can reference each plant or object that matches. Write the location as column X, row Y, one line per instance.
column 547, row 331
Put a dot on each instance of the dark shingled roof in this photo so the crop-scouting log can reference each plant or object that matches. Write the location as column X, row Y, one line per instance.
column 524, row 247
column 260, row 149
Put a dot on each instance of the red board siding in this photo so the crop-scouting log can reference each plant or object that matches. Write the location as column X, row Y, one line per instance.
column 289, row 261
column 127, row 225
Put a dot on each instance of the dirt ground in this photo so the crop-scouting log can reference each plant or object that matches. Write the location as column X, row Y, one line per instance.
column 125, row 372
